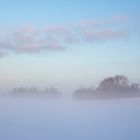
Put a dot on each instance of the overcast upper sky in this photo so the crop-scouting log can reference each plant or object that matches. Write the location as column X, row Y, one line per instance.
column 68, row 43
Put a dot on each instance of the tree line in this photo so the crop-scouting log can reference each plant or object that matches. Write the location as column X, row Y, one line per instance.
column 48, row 92
column 117, row 86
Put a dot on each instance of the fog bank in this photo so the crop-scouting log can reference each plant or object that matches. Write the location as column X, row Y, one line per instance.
column 35, row 119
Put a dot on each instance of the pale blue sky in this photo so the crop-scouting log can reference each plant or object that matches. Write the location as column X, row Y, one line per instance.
column 41, row 12
column 89, row 53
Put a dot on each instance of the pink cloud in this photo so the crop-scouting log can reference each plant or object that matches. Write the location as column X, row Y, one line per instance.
column 55, row 46
column 25, row 34
column 28, row 48
column 71, row 39
column 110, row 34
column 63, row 33
column 103, row 35
column 5, row 44
column 88, row 35
column 28, row 39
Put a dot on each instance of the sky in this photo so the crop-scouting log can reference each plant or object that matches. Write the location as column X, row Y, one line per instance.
column 68, row 43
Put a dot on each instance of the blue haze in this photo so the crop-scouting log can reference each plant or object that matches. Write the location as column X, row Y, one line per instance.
column 35, row 119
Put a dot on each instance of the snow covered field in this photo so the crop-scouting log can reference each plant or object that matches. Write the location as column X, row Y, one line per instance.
column 40, row 119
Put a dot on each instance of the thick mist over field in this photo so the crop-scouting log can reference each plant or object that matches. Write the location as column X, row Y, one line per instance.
column 41, row 119
column 69, row 70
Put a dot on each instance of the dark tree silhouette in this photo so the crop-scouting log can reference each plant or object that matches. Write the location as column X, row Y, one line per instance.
column 83, row 92
column 110, row 88
column 112, row 83
column 25, row 90
column 50, row 92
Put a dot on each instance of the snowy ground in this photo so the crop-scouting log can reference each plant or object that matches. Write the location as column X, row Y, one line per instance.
column 40, row 119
